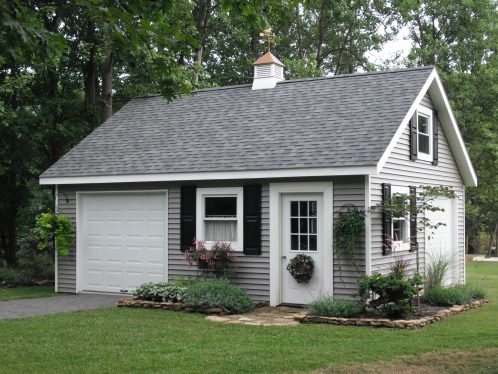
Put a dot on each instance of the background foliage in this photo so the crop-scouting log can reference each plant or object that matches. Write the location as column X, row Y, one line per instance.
column 66, row 66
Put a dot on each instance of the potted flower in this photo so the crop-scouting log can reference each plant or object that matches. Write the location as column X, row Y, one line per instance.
column 213, row 261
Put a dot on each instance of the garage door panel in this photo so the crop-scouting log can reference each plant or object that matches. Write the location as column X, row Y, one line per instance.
column 124, row 239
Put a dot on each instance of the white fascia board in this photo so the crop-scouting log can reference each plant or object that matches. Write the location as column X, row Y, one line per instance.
column 435, row 88
column 405, row 121
column 452, row 132
column 224, row 175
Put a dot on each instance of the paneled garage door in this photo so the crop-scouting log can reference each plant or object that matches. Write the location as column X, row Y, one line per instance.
column 122, row 240
column 443, row 241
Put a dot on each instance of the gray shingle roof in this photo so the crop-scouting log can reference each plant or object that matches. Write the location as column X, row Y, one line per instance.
column 346, row 120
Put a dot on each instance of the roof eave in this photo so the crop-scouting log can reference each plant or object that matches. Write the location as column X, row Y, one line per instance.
column 213, row 175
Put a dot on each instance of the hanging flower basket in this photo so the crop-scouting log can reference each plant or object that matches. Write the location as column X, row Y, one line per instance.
column 301, row 268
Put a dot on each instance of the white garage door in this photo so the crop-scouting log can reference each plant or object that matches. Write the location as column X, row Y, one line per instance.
column 443, row 241
column 123, row 240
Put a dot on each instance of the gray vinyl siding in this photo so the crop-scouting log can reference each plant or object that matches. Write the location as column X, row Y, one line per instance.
column 349, row 192
column 399, row 170
column 253, row 273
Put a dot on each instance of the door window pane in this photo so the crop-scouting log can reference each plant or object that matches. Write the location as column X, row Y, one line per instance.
column 294, row 208
column 312, row 208
column 294, row 242
column 294, row 225
column 312, row 243
column 303, row 225
column 303, row 242
column 312, row 225
column 303, row 208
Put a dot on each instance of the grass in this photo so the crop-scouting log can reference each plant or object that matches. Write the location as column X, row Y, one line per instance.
column 26, row 292
column 138, row 340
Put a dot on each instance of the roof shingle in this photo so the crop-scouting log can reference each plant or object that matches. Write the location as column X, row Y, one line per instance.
column 346, row 120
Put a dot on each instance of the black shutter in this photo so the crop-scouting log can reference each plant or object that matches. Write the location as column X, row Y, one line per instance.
column 413, row 137
column 187, row 216
column 413, row 218
column 252, row 220
column 435, row 139
column 386, row 221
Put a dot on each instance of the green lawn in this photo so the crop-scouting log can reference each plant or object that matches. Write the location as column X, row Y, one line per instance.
column 26, row 292
column 133, row 340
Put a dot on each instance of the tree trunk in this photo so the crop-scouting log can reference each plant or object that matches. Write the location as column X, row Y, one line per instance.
column 90, row 69
column 492, row 238
column 321, row 34
column 107, row 68
column 201, row 18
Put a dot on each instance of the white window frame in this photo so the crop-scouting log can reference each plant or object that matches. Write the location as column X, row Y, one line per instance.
column 427, row 113
column 401, row 245
column 202, row 193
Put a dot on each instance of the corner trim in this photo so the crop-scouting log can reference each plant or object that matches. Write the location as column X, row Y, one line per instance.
column 368, row 226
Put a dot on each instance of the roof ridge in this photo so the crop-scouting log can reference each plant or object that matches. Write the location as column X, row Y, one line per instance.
column 311, row 79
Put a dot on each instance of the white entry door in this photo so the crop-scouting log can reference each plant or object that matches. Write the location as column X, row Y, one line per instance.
column 442, row 242
column 302, row 233
column 122, row 240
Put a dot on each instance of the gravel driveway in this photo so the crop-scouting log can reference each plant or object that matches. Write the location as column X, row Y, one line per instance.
column 55, row 304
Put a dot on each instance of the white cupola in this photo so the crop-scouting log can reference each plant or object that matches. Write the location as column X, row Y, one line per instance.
column 268, row 70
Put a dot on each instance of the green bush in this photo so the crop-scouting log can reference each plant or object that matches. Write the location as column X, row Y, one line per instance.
column 160, row 292
column 391, row 293
column 454, row 295
column 25, row 276
column 218, row 293
column 329, row 307
column 11, row 277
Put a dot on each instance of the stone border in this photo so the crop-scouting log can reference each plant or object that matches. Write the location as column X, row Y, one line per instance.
column 399, row 323
column 168, row 305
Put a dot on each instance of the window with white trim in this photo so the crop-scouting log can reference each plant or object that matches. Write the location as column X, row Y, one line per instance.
column 400, row 226
column 424, row 133
column 219, row 216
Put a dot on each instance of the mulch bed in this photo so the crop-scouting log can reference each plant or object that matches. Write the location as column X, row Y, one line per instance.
column 424, row 315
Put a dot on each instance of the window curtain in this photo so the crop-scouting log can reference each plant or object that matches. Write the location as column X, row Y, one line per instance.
column 221, row 231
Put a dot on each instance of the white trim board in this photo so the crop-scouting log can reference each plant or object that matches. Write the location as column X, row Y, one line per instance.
column 223, row 175
column 435, row 88
column 276, row 191
column 79, row 253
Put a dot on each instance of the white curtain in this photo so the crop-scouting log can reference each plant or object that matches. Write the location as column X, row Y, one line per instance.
column 221, row 231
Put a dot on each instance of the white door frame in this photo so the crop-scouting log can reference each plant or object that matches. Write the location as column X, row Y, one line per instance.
column 276, row 192
column 79, row 249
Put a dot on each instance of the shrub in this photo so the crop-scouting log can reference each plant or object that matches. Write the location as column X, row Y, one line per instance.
column 454, row 295
column 435, row 272
column 11, row 277
column 160, row 292
column 218, row 293
column 392, row 293
column 329, row 307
